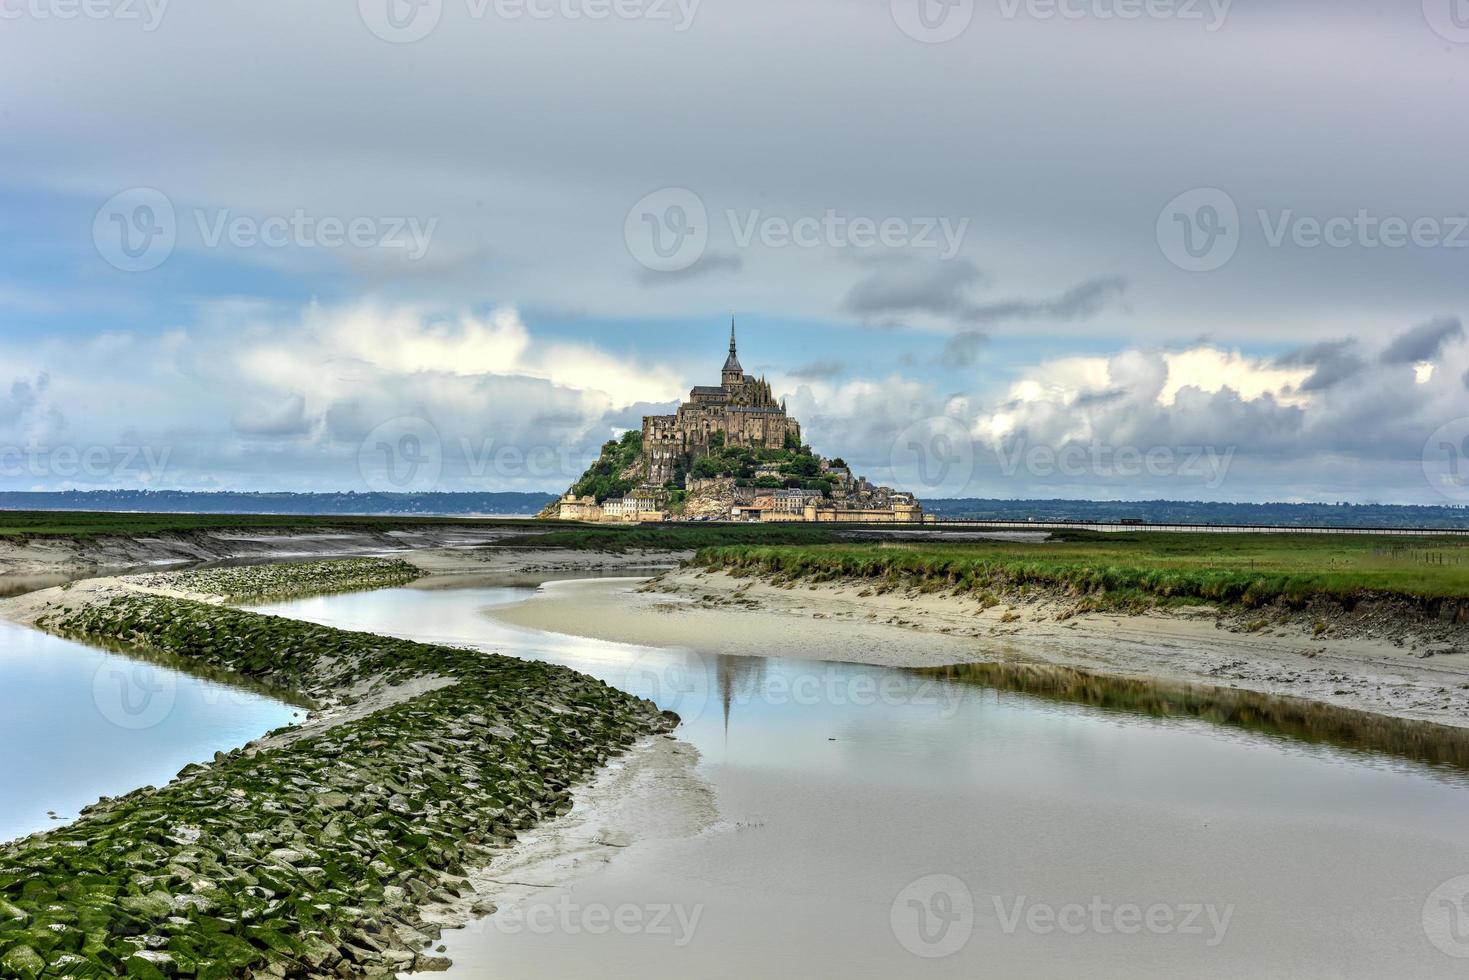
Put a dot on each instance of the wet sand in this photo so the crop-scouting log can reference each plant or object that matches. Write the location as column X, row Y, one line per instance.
column 835, row 813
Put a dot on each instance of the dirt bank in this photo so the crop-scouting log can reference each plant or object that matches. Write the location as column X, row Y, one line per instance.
column 42, row 555
column 717, row 613
column 509, row 565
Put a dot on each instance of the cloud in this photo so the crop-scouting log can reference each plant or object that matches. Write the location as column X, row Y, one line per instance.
column 1332, row 362
column 1211, row 369
column 1088, row 399
column 1080, row 302
column 286, row 418
column 28, row 413
column 1222, row 424
column 371, row 340
column 1423, row 342
column 257, row 400
column 532, row 192
column 817, row 369
column 709, row 263
column 962, row 349
column 1290, row 424
column 23, row 396
column 901, row 286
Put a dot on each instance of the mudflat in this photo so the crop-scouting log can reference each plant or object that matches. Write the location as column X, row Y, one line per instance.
column 714, row 611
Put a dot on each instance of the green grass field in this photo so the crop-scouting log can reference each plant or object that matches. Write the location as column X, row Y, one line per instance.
column 1248, row 569
column 1236, row 569
column 677, row 537
column 66, row 524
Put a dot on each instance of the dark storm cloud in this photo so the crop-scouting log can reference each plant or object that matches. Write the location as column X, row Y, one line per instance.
column 1333, row 361
column 1423, row 342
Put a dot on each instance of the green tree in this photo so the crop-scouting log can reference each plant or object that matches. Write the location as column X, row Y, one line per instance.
column 604, row 478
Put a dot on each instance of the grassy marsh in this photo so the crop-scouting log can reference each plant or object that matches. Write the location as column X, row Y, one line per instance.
column 1228, row 569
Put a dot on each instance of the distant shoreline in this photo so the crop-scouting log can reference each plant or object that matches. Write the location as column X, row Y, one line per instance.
column 514, row 504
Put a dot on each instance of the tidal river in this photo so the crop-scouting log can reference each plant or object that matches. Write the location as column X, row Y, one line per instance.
column 78, row 723
column 877, row 822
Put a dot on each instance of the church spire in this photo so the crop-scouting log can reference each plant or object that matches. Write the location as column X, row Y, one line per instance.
column 732, row 374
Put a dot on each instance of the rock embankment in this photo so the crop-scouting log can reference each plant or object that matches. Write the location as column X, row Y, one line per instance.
column 316, row 851
column 264, row 583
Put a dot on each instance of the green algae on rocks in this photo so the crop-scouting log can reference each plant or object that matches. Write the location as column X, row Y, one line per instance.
column 316, row 853
column 261, row 583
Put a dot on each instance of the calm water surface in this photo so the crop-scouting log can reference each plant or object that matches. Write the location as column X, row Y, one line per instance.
column 879, row 823
column 78, row 723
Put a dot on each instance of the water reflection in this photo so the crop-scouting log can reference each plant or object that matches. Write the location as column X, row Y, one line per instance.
column 1306, row 722
column 79, row 722
column 840, row 786
column 738, row 676
column 752, row 694
column 12, row 585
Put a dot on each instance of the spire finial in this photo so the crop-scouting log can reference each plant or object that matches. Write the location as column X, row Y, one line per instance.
column 731, row 332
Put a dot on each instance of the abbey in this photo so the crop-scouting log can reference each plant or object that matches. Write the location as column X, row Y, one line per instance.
column 741, row 407
column 728, row 453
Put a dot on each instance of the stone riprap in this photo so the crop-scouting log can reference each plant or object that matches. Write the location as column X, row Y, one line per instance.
column 314, row 851
column 261, row 583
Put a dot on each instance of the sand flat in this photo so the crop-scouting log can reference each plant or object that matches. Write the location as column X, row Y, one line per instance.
column 713, row 612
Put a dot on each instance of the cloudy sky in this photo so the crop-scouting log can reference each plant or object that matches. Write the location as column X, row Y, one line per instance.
column 1103, row 248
